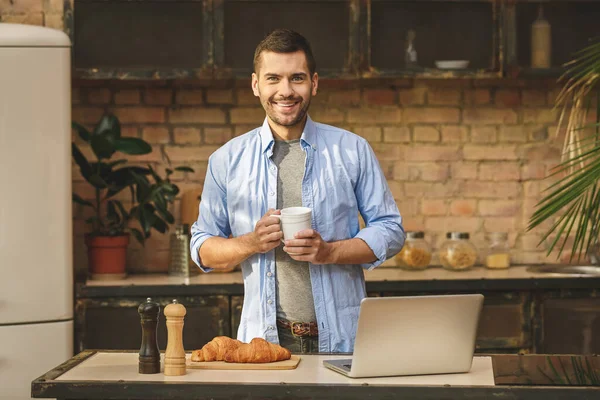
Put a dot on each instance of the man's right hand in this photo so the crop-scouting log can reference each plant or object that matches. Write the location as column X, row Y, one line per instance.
column 267, row 232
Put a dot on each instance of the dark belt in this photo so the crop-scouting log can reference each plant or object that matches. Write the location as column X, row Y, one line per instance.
column 299, row 328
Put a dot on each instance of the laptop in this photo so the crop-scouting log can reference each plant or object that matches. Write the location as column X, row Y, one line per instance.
column 413, row 335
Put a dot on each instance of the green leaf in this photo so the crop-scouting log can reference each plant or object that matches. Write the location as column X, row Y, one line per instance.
column 97, row 181
column 82, row 162
column 184, row 169
column 84, row 134
column 156, row 177
column 103, row 148
column 79, row 200
column 109, row 127
column 132, row 146
column 139, row 236
column 160, row 225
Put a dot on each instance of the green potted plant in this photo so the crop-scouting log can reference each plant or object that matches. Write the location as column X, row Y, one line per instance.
column 573, row 201
column 112, row 220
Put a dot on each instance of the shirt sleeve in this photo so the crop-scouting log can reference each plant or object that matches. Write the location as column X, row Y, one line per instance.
column 213, row 217
column 383, row 231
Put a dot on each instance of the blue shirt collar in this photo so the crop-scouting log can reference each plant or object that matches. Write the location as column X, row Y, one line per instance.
column 308, row 138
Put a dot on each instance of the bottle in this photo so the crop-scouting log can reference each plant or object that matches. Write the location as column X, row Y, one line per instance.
column 457, row 253
column 416, row 253
column 540, row 41
column 410, row 53
column 498, row 253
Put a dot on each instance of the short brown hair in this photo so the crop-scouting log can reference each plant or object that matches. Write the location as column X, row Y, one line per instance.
column 285, row 41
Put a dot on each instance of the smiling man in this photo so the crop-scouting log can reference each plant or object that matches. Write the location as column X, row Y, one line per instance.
column 305, row 293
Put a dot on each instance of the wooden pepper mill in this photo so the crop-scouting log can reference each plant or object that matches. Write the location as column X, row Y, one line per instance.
column 175, row 354
column 149, row 360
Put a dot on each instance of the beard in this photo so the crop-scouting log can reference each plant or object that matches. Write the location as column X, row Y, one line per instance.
column 286, row 120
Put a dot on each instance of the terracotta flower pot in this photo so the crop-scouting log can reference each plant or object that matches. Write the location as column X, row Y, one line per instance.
column 107, row 256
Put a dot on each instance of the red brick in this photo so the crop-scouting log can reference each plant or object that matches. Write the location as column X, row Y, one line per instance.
column 197, row 115
column 426, row 134
column 30, row 18
column 500, row 224
column 189, row 97
column 454, row 134
column 512, row 134
column 217, row 135
column 428, row 172
column 462, row 207
column 396, row 134
column 490, row 190
column 86, row 115
column 375, row 115
column 541, row 153
column 380, row 97
column 98, row 96
column 447, row 224
column 537, row 133
column 473, row 152
column 534, row 171
column 156, row 134
column 552, row 96
column 531, row 241
column 140, row 114
column 433, row 207
column 500, row 171
column 243, row 129
column 534, row 97
column 21, row 6
column 130, row 131
column 130, row 96
column 188, row 154
column 397, row 189
column 186, row 135
column 489, row 116
column 432, row 115
column 245, row 97
column 483, row 134
column 371, row 133
column 507, row 98
column 431, row 190
column 158, row 96
column 199, row 172
column 499, row 208
column 446, row 97
column 477, row 97
column 400, row 170
column 432, row 153
column 219, row 96
column 408, row 207
column 463, row 170
column 246, row 115
column 339, row 98
column 413, row 96
column 540, row 115
column 386, row 151
column 327, row 115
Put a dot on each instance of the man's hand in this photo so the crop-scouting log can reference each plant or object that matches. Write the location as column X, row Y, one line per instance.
column 267, row 233
column 310, row 247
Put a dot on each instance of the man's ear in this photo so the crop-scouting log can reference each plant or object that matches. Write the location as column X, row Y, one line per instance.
column 255, row 84
column 315, row 83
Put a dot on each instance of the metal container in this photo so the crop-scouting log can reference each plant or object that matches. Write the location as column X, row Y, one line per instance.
column 180, row 261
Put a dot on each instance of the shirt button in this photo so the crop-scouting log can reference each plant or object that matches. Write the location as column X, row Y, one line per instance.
column 273, row 168
column 272, row 193
column 270, row 327
column 270, row 301
column 269, row 273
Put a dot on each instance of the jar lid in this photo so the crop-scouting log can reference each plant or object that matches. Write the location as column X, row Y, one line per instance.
column 149, row 307
column 415, row 235
column 457, row 235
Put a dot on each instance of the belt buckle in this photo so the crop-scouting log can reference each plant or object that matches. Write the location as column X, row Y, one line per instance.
column 292, row 328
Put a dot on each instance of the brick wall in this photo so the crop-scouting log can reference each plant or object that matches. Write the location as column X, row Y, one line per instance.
column 458, row 155
column 33, row 12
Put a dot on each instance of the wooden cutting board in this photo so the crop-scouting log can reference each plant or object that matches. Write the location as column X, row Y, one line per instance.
column 190, row 201
column 292, row 363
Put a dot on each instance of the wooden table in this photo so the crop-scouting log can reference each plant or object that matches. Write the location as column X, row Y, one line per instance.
column 113, row 375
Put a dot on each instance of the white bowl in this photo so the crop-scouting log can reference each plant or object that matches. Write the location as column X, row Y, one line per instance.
column 452, row 64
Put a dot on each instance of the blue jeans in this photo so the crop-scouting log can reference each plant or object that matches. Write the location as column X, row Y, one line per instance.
column 297, row 344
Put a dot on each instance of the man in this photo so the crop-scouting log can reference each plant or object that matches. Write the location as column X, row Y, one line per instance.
column 304, row 294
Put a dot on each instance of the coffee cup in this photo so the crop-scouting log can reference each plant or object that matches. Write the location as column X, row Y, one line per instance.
column 293, row 220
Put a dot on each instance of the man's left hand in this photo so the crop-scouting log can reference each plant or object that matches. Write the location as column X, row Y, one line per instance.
column 310, row 247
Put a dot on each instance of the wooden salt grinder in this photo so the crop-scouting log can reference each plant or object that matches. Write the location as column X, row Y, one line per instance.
column 175, row 354
column 149, row 360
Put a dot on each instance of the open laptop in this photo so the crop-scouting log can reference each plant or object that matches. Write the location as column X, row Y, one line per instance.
column 413, row 335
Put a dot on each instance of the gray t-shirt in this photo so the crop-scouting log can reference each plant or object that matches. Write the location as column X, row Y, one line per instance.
column 294, row 291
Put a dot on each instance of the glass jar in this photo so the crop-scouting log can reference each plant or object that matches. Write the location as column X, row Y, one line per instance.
column 498, row 252
column 416, row 253
column 457, row 253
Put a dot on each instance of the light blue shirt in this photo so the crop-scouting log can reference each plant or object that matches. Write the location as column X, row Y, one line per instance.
column 342, row 178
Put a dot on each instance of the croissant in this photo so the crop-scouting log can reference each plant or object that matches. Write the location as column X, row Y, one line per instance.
column 216, row 349
column 258, row 351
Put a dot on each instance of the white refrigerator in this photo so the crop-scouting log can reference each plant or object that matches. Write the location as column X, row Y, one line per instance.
column 36, row 271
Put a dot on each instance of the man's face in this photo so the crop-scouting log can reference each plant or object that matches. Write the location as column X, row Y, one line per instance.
column 284, row 85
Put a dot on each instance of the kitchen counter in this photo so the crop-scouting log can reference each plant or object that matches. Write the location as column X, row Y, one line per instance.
column 114, row 375
column 377, row 280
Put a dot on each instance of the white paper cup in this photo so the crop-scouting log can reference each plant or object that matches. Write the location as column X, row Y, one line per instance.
column 293, row 220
